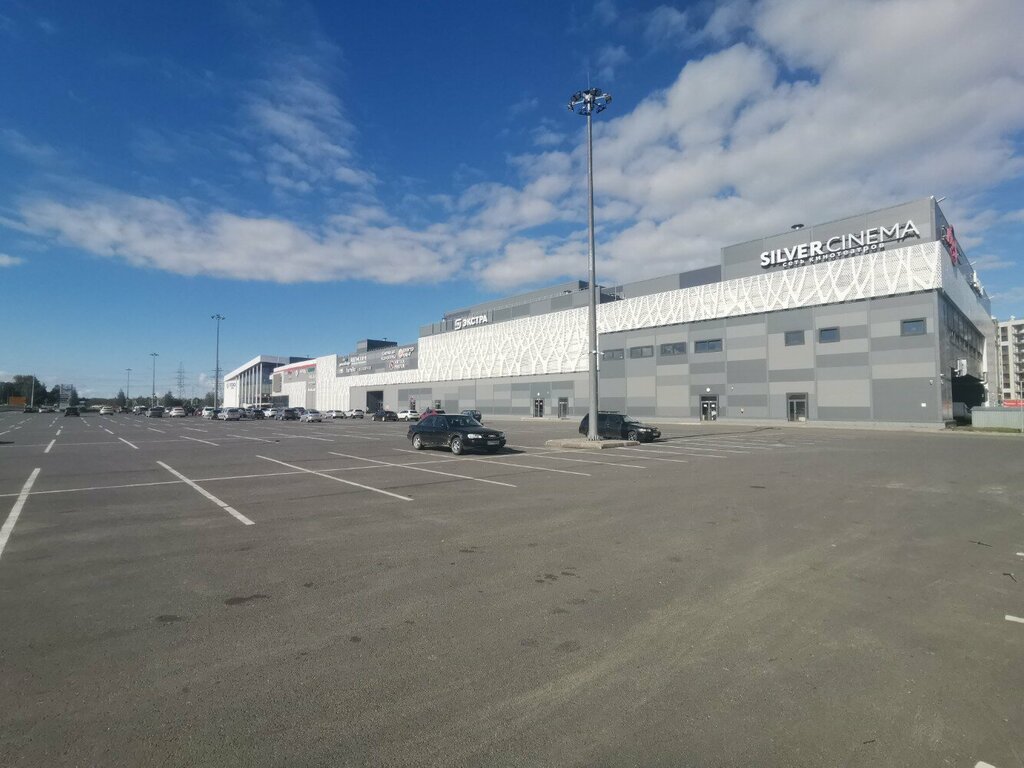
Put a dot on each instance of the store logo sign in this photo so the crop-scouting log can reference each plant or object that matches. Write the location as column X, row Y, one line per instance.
column 469, row 322
column 839, row 246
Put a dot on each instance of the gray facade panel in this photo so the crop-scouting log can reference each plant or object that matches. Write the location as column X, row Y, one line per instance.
column 843, row 414
column 905, row 400
column 747, row 371
column 697, row 369
column 842, row 360
column 792, row 374
column 889, row 343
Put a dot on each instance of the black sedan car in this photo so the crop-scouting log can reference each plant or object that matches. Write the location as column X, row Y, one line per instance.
column 619, row 426
column 384, row 415
column 455, row 432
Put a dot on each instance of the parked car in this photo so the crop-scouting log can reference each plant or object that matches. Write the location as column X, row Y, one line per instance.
column 619, row 426
column 30, row 409
column 230, row 414
column 454, row 432
column 139, row 410
column 271, row 412
column 287, row 414
column 155, row 412
column 473, row 414
column 311, row 415
column 255, row 413
column 335, row 415
column 208, row 412
column 408, row 415
column 384, row 415
column 107, row 410
column 47, row 409
column 176, row 412
column 72, row 410
column 356, row 413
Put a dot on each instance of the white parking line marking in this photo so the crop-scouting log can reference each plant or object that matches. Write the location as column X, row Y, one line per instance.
column 107, row 431
column 226, row 507
column 654, row 458
column 262, row 440
column 548, row 454
column 127, row 443
column 196, row 429
column 361, row 437
column 303, row 437
column 50, row 445
column 673, row 451
column 692, row 447
column 151, row 429
column 422, row 469
column 336, row 479
column 1014, row 618
column 59, row 431
column 7, row 430
column 12, row 518
column 199, row 440
column 983, row 764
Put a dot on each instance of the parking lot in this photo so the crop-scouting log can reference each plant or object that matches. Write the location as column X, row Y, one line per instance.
column 188, row 592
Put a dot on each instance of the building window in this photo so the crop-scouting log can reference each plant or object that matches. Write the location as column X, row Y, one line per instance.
column 708, row 345
column 794, row 338
column 828, row 335
column 613, row 354
column 676, row 348
column 913, row 327
column 636, row 352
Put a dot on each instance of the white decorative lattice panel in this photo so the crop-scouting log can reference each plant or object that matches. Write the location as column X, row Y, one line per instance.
column 556, row 343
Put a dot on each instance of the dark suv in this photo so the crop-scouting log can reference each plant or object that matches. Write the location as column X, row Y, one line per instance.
column 618, row 426
column 287, row 414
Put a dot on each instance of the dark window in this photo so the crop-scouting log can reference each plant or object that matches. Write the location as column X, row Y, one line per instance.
column 635, row 352
column 794, row 338
column 676, row 348
column 913, row 327
column 613, row 354
column 828, row 335
column 708, row 345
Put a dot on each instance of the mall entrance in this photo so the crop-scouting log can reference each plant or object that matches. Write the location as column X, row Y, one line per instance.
column 709, row 407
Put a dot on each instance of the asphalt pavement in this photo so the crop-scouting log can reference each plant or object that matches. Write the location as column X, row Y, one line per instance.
column 183, row 592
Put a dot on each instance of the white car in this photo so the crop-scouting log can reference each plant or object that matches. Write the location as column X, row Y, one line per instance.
column 335, row 415
column 270, row 413
column 311, row 416
column 356, row 413
column 230, row 414
column 177, row 412
column 107, row 410
column 408, row 415
column 208, row 412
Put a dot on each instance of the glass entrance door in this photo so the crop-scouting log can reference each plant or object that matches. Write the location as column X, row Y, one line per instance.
column 796, row 407
column 538, row 408
column 709, row 407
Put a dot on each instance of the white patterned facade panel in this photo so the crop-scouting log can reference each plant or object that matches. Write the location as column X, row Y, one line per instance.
column 916, row 268
column 556, row 343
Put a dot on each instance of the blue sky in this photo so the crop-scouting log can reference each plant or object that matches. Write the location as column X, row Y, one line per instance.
column 321, row 173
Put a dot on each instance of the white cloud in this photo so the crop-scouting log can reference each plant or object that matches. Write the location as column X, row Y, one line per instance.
column 896, row 100
column 17, row 144
column 667, row 25
column 609, row 58
column 9, row 261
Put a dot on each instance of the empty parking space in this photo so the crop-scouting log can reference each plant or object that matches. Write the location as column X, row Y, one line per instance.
column 341, row 582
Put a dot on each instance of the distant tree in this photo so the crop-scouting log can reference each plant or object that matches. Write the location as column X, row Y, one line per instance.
column 208, row 398
column 121, row 401
column 73, row 397
column 168, row 400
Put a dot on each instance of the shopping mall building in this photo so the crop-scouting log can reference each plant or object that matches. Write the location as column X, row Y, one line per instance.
column 873, row 318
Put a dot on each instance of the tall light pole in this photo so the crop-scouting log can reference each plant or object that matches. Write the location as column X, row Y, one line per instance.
column 154, row 355
column 216, row 370
column 586, row 103
column 128, row 389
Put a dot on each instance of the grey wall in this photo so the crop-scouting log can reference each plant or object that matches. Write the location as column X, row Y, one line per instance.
column 871, row 374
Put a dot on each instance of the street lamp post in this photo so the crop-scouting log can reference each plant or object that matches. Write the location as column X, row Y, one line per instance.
column 586, row 103
column 216, row 370
column 154, row 355
column 128, row 389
